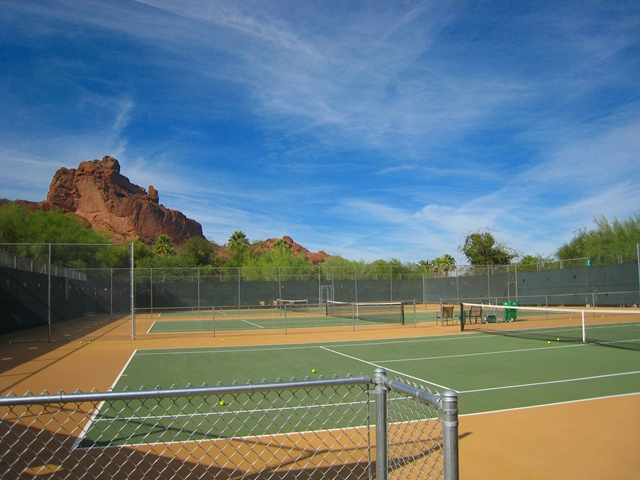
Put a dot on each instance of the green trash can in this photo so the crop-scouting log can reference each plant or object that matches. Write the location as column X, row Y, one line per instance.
column 510, row 314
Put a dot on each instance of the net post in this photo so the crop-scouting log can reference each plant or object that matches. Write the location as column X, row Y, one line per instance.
column 382, row 457
column 213, row 319
column 353, row 316
column 285, row 318
column 461, row 317
column 415, row 322
column 584, row 328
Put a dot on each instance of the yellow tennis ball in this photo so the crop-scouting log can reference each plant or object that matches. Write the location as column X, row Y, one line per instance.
column 313, row 370
column 222, row 404
column 557, row 339
column 222, row 340
column 80, row 341
column 549, row 341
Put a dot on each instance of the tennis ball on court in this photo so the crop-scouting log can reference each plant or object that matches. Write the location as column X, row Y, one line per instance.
column 222, row 340
column 80, row 341
column 222, row 403
column 549, row 341
column 313, row 370
column 557, row 339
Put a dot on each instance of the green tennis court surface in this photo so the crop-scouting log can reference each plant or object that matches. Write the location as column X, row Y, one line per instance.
column 247, row 320
column 490, row 373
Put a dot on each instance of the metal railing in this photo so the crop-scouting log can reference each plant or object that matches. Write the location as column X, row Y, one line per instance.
column 339, row 428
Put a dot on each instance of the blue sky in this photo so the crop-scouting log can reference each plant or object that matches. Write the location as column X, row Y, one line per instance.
column 368, row 129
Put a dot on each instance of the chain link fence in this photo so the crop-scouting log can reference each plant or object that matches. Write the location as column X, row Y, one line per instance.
column 339, row 428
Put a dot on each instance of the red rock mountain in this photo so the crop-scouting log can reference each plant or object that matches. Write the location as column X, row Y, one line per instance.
column 297, row 249
column 98, row 193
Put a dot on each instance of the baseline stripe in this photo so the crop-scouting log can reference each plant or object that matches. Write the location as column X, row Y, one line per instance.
column 596, row 377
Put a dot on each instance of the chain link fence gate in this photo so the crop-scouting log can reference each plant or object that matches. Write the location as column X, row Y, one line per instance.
column 338, row 428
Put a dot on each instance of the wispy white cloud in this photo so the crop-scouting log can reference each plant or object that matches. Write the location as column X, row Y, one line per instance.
column 364, row 129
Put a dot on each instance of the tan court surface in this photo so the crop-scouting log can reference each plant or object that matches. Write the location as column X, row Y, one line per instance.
column 588, row 440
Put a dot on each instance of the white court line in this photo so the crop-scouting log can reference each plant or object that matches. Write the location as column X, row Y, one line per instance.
column 250, row 323
column 569, row 380
column 285, row 346
column 387, row 369
column 94, row 415
column 463, row 355
column 252, row 436
column 237, row 412
column 568, row 402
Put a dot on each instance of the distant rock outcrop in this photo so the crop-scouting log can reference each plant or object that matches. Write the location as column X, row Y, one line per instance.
column 98, row 193
column 297, row 249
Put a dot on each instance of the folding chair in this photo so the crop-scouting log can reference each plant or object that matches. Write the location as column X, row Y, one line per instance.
column 446, row 314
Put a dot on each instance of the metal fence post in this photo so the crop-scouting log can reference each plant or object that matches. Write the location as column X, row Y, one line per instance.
column 382, row 458
column 450, row 434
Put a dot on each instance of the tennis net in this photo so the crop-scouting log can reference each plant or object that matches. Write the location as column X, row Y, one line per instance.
column 300, row 305
column 384, row 312
column 613, row 327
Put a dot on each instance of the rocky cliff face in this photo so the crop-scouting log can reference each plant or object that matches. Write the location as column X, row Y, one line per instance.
column 297, row 249
column 98, row 193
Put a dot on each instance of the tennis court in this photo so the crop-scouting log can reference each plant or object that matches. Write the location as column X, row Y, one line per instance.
column 490, row 372
column 215, row 321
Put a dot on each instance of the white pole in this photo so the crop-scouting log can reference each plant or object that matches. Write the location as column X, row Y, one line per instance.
column 49, row 295
column 638, row 256
column 151, row 289
column 584, row 329
column 131, row 287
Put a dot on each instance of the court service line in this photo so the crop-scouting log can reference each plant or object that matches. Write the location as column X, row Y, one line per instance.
column 538, row 384
column 387, row 369
column 301, row 346
column 554, row 404
column 463, row 355
column 236, row 413
column 250, row 323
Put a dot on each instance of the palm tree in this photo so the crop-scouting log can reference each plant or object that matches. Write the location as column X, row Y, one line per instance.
column 238, row 243
column 426, row 265
column 445, row 263
column 163, row 247
column 280, row 245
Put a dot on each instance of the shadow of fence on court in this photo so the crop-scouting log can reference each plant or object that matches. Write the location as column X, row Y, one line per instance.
column 355, row 427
